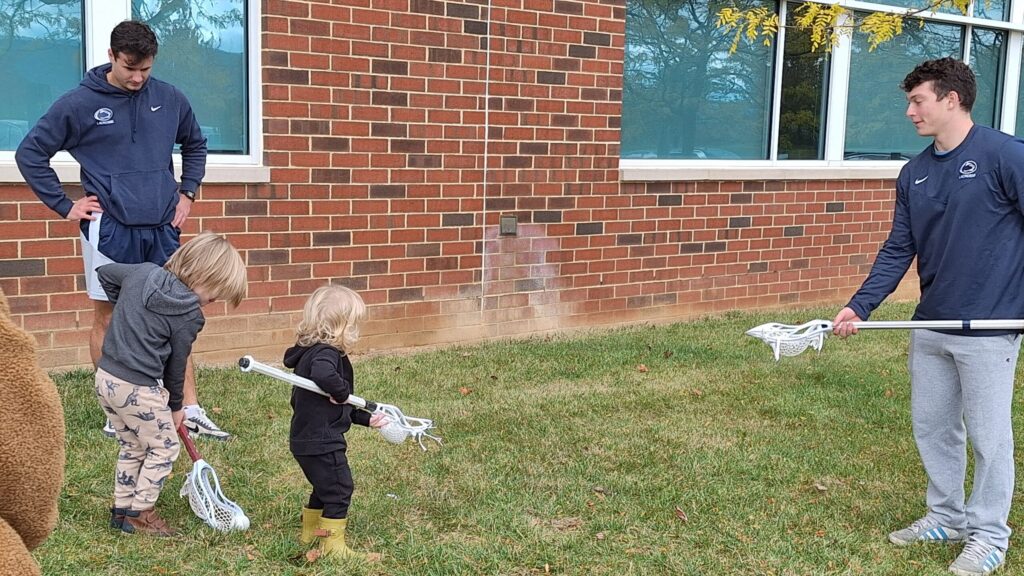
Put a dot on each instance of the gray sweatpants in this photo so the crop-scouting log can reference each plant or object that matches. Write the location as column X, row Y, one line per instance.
column 961, row 388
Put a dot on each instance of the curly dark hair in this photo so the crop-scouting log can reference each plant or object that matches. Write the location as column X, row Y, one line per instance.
column 947, row 75
column 134, row 39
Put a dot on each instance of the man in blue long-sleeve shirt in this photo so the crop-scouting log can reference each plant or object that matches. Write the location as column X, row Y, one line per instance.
column 121, row 126
column 960, row 212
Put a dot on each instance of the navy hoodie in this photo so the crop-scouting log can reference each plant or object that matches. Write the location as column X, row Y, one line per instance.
column 319, row 426
column 123, row 142
column 961, row 214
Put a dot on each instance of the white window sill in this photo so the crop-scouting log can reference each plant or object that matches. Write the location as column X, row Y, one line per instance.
column 672, row 171
column 68, row 172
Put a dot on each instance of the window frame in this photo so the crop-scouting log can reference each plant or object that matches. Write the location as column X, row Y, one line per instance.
column 834, row 166
column 100, row 17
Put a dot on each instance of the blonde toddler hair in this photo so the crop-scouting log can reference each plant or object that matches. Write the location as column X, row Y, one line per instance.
column 332, row 315
column 210, row 261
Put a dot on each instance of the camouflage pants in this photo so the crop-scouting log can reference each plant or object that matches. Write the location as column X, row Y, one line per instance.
column 145, row 432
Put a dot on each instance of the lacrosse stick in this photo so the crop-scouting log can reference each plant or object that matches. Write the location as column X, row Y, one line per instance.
column 204, row 495
column 790, row 340
column 399, row 426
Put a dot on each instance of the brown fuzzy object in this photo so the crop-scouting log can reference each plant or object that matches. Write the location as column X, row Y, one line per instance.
column 32, row 457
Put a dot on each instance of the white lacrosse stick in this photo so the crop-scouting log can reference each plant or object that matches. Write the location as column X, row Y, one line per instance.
column 204, row 495
column 790, row 340
column 399, row 426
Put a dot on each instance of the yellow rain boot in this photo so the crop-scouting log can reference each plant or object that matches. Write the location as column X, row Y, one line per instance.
column 331, row 532
column 310, row 517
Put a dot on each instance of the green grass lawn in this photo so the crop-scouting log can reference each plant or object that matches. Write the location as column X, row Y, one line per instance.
column 680, row 449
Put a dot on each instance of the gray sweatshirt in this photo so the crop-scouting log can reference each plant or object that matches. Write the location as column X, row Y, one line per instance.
column 156, row 319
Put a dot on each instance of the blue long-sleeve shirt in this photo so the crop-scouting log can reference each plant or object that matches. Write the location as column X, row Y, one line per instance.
column 962, row 215
column 123, row 142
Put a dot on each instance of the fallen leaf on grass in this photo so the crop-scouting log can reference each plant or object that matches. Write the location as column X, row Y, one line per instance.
column 313, row 555
column 373, row 556
column 889, row 393
column 216, row 409
column 599, row 536
column 820, row 533
column 820, row 487
column 697, row 392
column 641, row 368
column 464, row 391
column 681, row 515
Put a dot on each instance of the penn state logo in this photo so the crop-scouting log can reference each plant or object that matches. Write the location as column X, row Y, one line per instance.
column 104, row 116
column 968, row 169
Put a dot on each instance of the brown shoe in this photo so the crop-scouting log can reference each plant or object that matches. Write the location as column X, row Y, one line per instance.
column 146, row 522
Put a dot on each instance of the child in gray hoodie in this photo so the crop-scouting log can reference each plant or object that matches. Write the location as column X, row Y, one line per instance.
column 140, row 377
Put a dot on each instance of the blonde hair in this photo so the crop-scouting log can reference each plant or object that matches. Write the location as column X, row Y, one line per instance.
column 210, row 261
column 331, row 316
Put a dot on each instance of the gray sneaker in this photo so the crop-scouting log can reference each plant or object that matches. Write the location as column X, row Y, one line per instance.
column 108, row 430
column 201, row 425
column 926, row 529
column 978, row 559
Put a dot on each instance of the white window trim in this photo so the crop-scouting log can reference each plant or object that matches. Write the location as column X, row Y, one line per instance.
column 100, row 18
column 833, row 167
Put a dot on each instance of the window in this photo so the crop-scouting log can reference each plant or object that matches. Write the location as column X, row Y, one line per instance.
column 208, row 49
column 687, row 102
column 36, row 36
column 203, row 53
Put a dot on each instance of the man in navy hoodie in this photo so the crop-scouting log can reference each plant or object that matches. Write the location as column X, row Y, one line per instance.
column 121, row 126
column 960, row 211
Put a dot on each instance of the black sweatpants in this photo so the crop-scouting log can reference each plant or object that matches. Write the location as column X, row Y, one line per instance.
column 331, row 479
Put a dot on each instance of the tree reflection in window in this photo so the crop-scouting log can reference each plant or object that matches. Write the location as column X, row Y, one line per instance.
column 203, row 53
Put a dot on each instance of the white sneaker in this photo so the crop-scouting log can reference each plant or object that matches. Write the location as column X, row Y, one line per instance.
column 198, row 423
column 926, row 529
column 978, row 559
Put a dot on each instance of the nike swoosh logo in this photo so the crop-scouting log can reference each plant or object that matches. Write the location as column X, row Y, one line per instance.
column 919, row 180
column 154, row 108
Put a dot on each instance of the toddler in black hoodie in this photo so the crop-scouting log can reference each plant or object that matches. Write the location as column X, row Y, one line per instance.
column 328, row 330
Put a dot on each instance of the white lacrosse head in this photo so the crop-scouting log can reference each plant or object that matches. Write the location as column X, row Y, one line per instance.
column 394, row 433
column 400, row 426
column 790, row 340
column 209, row 504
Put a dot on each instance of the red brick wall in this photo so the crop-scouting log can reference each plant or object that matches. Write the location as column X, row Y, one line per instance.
column 399, row 131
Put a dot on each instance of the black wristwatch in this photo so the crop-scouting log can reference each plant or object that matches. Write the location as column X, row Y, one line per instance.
column 190, row 194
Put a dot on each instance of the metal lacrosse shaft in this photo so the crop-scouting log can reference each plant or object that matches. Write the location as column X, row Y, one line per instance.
column 939, row 324
column 249, row 364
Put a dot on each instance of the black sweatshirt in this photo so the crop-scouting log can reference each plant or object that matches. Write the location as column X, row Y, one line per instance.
column 318, row 426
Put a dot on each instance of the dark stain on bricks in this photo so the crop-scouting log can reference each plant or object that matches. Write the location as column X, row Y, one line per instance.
column 330, row 175
column 23, row 267
column 405, row 294
column 367, row 267
column 457, row 219
column 245, row 208
column 422, row 250
column 263, row 257
column 589, row 228
column 529, row 285
column 387, row 191
column 547, row 216
column 332, row 238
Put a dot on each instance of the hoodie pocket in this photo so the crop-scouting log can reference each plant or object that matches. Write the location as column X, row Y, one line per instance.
column 143, row 199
